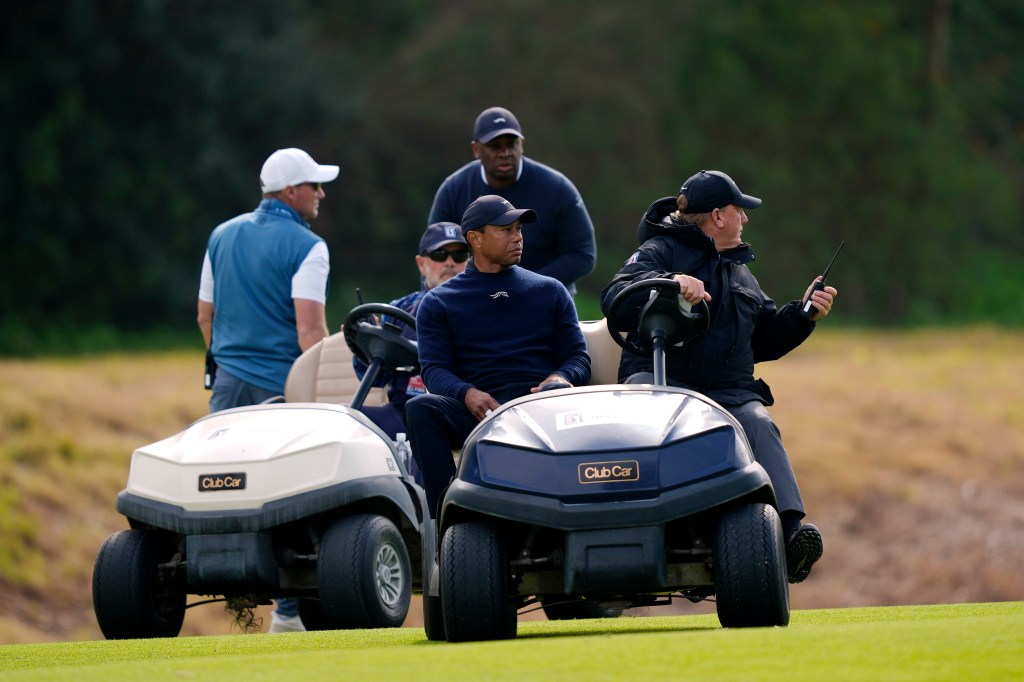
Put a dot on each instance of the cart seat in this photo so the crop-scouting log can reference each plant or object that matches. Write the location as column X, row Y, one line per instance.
column 604, row 352
column 324, row 374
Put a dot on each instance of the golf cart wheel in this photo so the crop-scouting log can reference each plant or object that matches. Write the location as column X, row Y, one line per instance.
column 364, row 574
column 559, row 608
column 133, row 597
column 475, row 596
column 312, row 615
column 750, row 568
column 433, row 618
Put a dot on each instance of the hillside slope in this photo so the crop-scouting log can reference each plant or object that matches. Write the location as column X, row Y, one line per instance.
column 909, row 449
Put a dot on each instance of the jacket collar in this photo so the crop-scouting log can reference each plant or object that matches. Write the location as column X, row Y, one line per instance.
column 278, row 207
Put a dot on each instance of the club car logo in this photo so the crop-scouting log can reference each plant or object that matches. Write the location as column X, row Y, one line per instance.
column 210, row 483
column 610, row 472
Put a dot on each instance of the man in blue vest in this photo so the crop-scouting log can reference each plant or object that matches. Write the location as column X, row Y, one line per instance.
column 262, row 293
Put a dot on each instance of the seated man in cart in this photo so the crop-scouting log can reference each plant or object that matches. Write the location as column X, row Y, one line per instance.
column 694, row 238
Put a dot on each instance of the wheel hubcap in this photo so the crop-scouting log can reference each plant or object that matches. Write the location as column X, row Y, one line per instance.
column 389, row 575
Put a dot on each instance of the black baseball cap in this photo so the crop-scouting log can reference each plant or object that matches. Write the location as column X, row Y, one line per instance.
column 494, row 122
column 440, row 234
column 708, row 190
column 491, row 209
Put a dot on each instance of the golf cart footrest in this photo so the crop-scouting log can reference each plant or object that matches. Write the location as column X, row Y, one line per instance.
column 231, row 561
column 615, row 560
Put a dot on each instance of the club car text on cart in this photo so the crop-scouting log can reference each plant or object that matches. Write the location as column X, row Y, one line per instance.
column 216, row 482
column 609, row 472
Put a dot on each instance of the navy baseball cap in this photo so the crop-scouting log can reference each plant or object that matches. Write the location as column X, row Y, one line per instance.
column 708, row 190
column 491, row 209
column 440, row 234
column 494, row 122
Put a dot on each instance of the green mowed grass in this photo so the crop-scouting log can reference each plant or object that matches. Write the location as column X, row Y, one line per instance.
column 947, row 642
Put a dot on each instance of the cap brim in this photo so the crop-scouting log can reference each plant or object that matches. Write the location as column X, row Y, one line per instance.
column 445, row 242
column 498, row 133
column 747, row 201
column 525, row 215
column 324, row 174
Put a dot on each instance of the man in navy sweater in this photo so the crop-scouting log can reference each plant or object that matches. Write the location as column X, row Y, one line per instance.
column 562, row 237
column 490, row 334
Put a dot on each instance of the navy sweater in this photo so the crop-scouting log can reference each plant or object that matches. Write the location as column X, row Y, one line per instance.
column 559, row 244
column 490, row 330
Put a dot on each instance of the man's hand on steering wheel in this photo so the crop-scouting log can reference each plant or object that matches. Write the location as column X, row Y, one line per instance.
column 692, row 289
column 661, row 295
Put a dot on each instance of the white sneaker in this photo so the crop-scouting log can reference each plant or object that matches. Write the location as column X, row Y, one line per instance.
column 279, row 624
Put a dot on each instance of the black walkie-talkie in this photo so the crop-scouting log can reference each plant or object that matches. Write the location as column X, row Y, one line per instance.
column 807, row 309
column 210, row 370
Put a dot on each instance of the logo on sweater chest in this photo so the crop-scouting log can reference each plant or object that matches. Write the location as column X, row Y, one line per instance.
column 499, row 294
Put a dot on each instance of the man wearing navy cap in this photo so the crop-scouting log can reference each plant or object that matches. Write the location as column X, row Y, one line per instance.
column 442, row 254
column 562, row 237
column 494, row 333
column 695, row 238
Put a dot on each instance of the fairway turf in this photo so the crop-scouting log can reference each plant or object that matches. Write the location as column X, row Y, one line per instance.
column 946, row 642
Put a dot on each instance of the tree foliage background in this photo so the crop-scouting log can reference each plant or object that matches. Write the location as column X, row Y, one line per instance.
column 131, row 128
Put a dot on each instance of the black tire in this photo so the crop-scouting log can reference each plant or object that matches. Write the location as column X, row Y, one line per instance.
column 750, row 568
column 475, row 595
column 558, row 608
column 311, row 613
column 132, row 598
column 364, row 574
column 433, row 618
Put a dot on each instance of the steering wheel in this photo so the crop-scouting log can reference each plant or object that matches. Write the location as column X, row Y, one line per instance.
column 370, row 339
column 650, row 307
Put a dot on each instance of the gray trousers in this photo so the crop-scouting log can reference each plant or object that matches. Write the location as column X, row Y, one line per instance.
column 766, row 442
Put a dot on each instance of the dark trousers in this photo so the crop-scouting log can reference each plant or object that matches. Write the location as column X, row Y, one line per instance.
column 437, row 425
column 766, row 443
column 230, row 391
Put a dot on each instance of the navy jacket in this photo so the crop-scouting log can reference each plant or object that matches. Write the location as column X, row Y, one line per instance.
column 746, row 327
column 499, row 332
column 559, row 244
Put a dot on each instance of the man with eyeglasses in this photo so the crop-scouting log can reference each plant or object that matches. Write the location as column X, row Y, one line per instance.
column 262, row 293
column 443, row 253
column 561, row 240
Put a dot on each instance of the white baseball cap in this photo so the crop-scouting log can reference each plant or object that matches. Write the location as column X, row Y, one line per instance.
column 290, row 167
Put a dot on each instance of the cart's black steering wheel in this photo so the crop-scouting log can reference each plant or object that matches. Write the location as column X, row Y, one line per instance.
column 651, row 307
column 371, row 339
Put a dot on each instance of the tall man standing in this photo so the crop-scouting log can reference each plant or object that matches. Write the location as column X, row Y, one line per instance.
column 262, row 293
column 562, row 238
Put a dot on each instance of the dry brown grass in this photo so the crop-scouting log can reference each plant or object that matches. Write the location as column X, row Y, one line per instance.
column 909, row 448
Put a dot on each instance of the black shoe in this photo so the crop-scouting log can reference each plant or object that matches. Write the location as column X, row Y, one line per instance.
column 803, row 548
